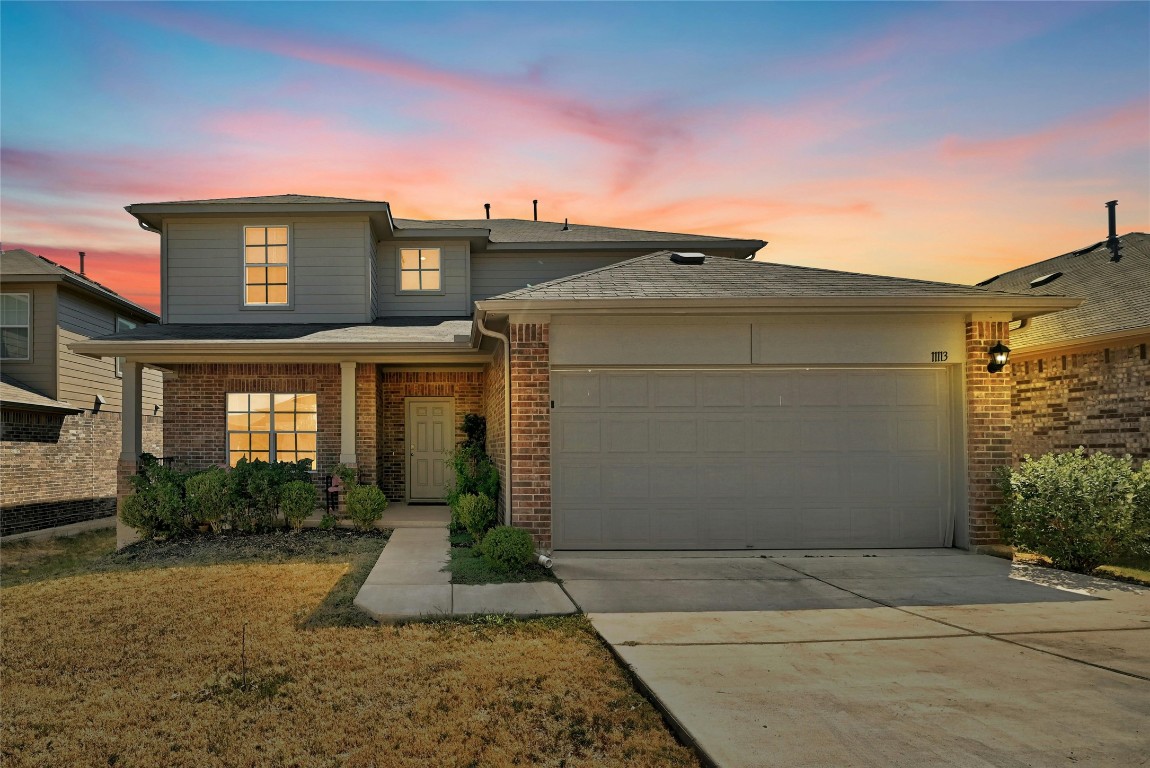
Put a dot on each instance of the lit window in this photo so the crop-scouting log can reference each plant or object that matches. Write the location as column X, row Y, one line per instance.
column 419, row 269
column 266, row 266
column 271, row 427
column 15, row 326
column 122, row 324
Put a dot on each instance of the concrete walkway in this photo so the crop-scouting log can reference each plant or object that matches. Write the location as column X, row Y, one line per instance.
column 409, row 581
column 897, row 659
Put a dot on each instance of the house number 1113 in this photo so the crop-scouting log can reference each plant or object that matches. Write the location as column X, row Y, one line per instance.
column 938, row 357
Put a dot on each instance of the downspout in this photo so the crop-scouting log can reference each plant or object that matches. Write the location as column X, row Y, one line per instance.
column 507, row 415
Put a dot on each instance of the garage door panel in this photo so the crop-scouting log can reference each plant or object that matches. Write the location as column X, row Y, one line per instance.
column 717, row 459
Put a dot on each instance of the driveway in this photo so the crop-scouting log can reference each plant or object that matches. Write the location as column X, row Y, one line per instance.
column 884, row 658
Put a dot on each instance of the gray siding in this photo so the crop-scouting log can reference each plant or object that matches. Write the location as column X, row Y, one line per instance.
column 204, row 278
column 454, row 300
column 494, row 274
column 39, row 373
column 373, row 284
column 81, row 378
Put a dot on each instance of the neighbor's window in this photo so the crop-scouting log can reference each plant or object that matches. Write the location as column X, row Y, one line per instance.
column 271, row 427
column 265, row 266
column 419, row 269
column 122, row 324
column 15, row 326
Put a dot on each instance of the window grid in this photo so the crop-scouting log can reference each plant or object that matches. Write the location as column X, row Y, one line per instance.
column 419, row 269
column 122, row 324
column 271, row 426
column 16, row 326
column 266, row 266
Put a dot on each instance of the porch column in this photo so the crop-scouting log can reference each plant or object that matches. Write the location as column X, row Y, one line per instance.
column 988, row 427
column 347, row 414
column 131, row 442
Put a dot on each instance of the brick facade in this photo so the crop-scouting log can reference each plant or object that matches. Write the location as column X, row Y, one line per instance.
column 988, row 427
column 1095, row 397
column 366, row 421
column 56, row 469
column 495, row 411
column 531, row 429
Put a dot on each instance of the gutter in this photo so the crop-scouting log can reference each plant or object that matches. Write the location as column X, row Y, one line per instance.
column 483, row 329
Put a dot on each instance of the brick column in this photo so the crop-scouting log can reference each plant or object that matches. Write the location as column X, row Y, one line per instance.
column 530, row 450
column 366, row 427
column 988, row 425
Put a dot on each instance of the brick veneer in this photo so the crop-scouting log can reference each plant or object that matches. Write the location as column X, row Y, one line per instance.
column 531, row 429
column 495, row 410
column 56, row 469
column 988, row 427
column 394, row 386
column 366, row 422
column 1096, row 397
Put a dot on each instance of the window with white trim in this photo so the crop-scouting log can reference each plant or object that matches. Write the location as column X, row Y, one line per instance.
column 271, row 426
column 15, row 326
column 419, row 269
column 266, row 266
column 122, row 324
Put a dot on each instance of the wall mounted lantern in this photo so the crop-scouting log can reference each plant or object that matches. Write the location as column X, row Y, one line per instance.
column 999, row 356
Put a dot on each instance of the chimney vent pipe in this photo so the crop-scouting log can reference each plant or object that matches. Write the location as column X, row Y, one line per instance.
column 1113, row 217
column 566, row 228
column 487, row 208
column 82, row 262
column 535, row 208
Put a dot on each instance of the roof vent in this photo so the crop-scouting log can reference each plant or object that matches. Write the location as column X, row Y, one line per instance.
column 988, row 282
column 1038, row 282
column 688, row 258
column 566, row 226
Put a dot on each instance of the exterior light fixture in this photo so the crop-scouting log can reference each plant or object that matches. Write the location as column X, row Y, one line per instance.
column 999, row 356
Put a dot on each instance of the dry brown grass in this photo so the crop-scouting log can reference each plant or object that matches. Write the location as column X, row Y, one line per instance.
column 138, row 668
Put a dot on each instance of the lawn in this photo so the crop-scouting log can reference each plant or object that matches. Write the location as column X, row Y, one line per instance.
column 213, row 654
column 467, row 566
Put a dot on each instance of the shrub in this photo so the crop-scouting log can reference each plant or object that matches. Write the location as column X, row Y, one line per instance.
column 159, row 507
column 297, row 501
column 207, row 497
column 508, row 548
column 476, row 513
column 365, row 506
column 1080, row 511
column 136, row 513
column 255, row 488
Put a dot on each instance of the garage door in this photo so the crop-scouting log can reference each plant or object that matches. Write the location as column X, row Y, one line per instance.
column 762, row 458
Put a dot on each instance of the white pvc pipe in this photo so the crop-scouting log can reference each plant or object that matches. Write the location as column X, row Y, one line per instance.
column 544, row 560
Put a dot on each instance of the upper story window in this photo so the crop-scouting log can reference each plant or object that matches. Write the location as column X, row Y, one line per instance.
column 15, row 326
column 266, row 266
column 122, row 324
column 419, row 269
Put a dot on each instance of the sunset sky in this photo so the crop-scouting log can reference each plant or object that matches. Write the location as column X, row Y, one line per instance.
column 945, row 141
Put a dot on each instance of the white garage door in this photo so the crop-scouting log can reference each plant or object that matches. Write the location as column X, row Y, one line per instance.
column 762, row 458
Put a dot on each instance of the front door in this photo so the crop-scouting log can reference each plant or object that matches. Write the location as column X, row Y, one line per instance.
column 430, row 427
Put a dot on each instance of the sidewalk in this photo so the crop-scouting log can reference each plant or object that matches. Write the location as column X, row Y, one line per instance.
column 409, row 581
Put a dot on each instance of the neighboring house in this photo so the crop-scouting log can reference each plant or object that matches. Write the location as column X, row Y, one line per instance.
column 60, row 411
column 638, row 393
column 1081, row 376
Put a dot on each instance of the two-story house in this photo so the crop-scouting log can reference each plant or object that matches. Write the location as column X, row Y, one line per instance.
column 60, row 412
column 641, row 389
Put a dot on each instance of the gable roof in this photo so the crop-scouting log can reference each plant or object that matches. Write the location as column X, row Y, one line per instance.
column 19, row 264
column 1115, row 293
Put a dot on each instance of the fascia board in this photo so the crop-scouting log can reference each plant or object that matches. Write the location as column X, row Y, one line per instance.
column 749, row 246
column 164, row 350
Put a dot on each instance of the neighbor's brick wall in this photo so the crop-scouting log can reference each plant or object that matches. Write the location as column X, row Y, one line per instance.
column 195, row 407
column 495, row 411
column 988, row 428
column 1098, row 398
column 531, row 430
column 56, row 470
column 394, row 386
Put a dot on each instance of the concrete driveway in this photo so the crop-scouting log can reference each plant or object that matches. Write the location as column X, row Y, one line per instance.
column 884, row 658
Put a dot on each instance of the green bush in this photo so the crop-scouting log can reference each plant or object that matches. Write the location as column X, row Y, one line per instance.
column 508, row 548
column 1080, row 511
column 365, row 506
column 476, row 513
column 207, row 496
column 297, row 501
column 255, row 488
column 136, row 513
column 159, row 506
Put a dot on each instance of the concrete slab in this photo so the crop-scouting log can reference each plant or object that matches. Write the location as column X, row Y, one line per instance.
column 416, row 516
column 391, row 602
column 717, row 628
column 654, row 596
column 1074, row 582
column 408, row 572
column 1125, row 650
column 531, row 599
column 951, row 590
column 641, row 554
column 1118, row 613
column 839, row 567
column 956, row 701
column 61, row 531
column 672, row 568
column 417, row 544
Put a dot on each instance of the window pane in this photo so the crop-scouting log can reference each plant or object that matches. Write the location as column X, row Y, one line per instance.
column 14, row 343
column 277, row 254
column 430, row 281
column 255, row 255
column 305, row 422
column 237, row 401
column 124, row 324
column 256, row 275
column 305, row 441
column 255, row 235
column 261, row 441
column 261, row 402
column 14, row 309
column 285, row 442
column 277, row 294
column 408, row 258
column 309, row 455
column 259, row 456
column 277, row 275
column 238, row 422
column 305, row 403
column 261, row 422
column 284, row 403
column 257, row 294
column 277, row 235
column 238, row 442
column 409, row 281
column 429, row 258
column 285, row 422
